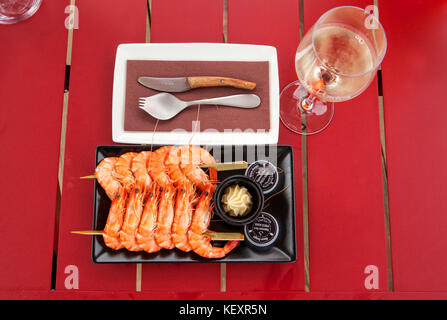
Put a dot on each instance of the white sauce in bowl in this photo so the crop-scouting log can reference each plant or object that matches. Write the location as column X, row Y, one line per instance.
column 237, row 201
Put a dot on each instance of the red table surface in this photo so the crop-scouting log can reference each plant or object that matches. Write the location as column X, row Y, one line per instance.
column 346, row 213
column 415, row 114
column 90, row 124
column 267, row 23
column 32, row 66
column 346, row 210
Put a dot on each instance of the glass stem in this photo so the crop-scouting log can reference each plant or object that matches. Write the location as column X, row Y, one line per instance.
column 308, row 102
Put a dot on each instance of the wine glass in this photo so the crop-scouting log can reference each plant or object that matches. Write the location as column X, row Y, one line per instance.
column 12, row 11
column 335, row 61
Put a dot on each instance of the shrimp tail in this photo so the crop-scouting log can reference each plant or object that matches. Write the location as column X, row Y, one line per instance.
column 230, row 245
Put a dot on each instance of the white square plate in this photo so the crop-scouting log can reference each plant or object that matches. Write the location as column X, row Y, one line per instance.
column 193, row 52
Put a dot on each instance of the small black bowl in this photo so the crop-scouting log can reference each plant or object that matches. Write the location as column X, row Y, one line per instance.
column 263, row 232
column 257, row 197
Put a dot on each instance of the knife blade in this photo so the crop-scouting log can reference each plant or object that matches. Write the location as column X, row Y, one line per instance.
column 182, row 84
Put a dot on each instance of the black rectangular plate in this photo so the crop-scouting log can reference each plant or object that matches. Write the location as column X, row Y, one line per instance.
column 281, row 206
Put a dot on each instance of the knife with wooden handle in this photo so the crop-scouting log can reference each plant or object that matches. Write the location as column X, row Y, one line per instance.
column 187, row 83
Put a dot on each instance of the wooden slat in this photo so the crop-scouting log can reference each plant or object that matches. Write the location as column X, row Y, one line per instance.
column 414, row 72
column 103, row 25
column 184, row 21
column 32, row 64
column 346, row 204
column 277, row 24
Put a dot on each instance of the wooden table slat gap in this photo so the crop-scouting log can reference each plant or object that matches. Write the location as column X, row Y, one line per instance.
column 385, row 185
column 305, row 213
column 304, row 178
column 385, row 193
column 223, row 277
column 53, row 272
column 63, row 132
column 301, row 18
column 139, row 274
column 148, row 21
column 387, row 227
column 139, row 266
column 385, row 177
column 62, row 142
column 223, row 266
column 225, row 21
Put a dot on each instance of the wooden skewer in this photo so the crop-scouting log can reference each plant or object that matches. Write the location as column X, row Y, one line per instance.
column 225, row 236
column 218, row 236
column 224, row 166
column 88, row 177
column 89, row 232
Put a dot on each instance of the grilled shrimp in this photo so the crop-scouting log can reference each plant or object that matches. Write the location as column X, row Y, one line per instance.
column 193, row 156
column 201, row 243
column 103, row 173
column 123, row 172
column 165, row 218
column 135, row 204
column 183, row 216
column 134, row 210
column 183, row 205
column 172, row 164
column 157, row 171
column 156, row 167
column 146, row 230
column 115, row 220
column 140, row 172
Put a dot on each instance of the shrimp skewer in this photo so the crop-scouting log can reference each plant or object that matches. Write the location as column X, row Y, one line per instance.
column 134, row 208
column 164, row 181
column 201, row 243
column 103, row 174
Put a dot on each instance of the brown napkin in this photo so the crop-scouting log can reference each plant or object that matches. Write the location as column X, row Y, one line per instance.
column 210, row 116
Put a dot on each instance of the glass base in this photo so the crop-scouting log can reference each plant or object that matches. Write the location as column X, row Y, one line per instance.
column 298, row 119
column 13, row 11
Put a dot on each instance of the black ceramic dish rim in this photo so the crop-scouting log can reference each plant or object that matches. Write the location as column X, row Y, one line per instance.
column 221, row 213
